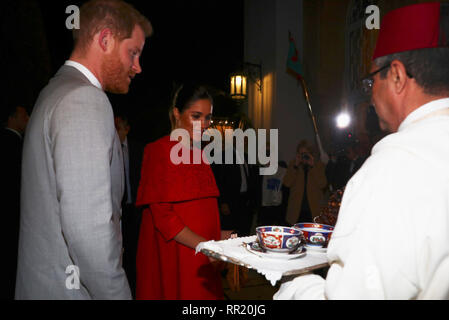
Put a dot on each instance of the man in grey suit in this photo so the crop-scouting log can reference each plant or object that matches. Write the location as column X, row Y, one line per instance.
column 70, row 243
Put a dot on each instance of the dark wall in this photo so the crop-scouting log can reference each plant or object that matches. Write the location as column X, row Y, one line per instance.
column 193, row 40
column 24, row 57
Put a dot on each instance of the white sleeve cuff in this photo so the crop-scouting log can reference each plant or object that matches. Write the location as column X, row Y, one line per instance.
column 306, row 287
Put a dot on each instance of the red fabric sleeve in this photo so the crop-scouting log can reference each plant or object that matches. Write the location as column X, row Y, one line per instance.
column 165, row 220
column 163, row 182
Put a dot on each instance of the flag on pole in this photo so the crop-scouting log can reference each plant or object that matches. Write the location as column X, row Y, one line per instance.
column 324, row 157
column 294, row 68
column 293, row 64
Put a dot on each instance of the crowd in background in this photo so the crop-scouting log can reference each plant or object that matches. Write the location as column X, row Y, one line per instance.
column 297, row 192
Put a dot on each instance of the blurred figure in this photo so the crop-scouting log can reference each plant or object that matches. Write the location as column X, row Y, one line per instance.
column 237, row 185
column 131, row 215
column 307, row 181
column 14, row 122
column 365, row 145
column 339, row 172
column 272, row 199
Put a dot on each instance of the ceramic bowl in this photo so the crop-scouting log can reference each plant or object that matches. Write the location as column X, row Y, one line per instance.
column 279, row 239
column 316, row 235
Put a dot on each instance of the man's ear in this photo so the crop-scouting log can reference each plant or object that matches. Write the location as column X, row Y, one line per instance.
column 398, row 76
column 106, row 40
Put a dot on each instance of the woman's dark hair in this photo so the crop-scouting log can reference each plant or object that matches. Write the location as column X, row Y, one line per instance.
column 184, row 96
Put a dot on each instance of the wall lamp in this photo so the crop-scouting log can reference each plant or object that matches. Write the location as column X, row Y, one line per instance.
column 239, row 88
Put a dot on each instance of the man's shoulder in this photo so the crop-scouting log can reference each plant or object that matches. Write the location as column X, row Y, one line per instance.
column 67, row 97
column 411, row 151
column 69, row 81
column 419, row 138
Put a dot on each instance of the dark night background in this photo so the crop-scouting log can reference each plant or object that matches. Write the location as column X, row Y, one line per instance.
column 193, row 40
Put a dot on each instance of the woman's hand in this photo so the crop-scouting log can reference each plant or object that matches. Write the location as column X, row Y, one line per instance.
column 189, row 238
column 212, row 260
column 226, row 234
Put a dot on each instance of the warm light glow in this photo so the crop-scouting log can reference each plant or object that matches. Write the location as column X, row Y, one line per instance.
column 238, row 86
column 238, row 81
column 343, row 120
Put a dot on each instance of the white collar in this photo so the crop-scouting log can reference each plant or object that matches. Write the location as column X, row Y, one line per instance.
column 15, row 131
column 424, row 110
column 86, row 72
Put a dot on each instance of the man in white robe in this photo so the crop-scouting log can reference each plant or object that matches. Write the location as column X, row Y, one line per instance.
column 391, row 240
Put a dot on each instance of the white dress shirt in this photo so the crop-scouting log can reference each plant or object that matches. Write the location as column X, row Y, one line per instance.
column 86, row 72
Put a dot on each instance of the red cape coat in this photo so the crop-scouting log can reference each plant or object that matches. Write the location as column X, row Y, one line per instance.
column 176, row 196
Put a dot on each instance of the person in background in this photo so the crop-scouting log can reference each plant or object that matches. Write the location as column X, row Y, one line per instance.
column 272, row 203
column 306, row 179
column 131, row 215
column 14, row 122
column 391, row 239
column 70, row 244
column 180, row 210
column 228, row 224
column 237, row 184
column 339, row 172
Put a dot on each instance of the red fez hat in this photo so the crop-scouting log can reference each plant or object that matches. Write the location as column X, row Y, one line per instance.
column 417, row 26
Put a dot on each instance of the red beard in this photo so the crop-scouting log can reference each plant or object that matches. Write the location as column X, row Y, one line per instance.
column 116, row 78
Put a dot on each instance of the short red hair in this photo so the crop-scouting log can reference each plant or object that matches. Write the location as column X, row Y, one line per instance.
column 117, row 15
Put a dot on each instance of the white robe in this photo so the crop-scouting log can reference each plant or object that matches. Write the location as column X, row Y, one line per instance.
column 391, row 240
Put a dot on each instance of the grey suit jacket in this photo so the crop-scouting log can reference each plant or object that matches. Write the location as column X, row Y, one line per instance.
column 72, row 186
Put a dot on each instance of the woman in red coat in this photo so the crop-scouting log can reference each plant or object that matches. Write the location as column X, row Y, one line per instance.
column 180, row 211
